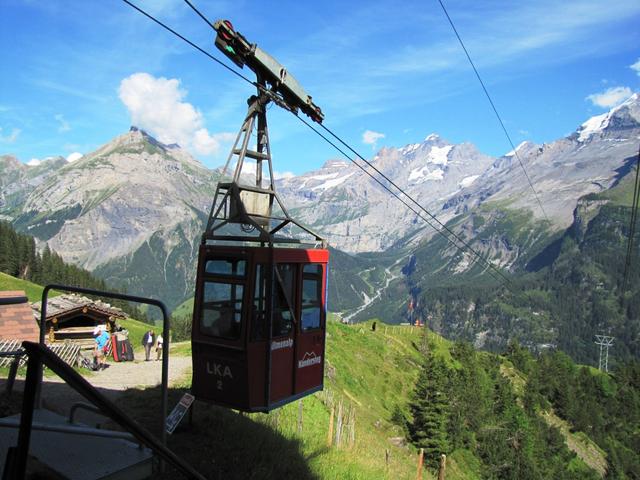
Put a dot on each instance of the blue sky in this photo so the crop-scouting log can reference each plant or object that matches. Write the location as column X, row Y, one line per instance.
column 76, row 73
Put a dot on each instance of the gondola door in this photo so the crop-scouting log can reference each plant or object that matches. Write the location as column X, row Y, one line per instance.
column 283, row 331
column 310, row 333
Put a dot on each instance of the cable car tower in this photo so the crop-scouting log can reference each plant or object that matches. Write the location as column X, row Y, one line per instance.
column 257, row 208
column 259, row 315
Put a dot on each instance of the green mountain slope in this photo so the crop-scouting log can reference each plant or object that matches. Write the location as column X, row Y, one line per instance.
column 162, row 267
column 33, row 291
column 372, row 383
column 369, row 378
column 500, row 421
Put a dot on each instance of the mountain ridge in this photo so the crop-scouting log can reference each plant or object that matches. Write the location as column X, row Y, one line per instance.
column 135, row 198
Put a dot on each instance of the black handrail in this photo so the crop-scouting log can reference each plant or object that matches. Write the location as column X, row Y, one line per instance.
column 13, row 369
column 84, row 406
column 17, row 300
column 16, row 462
column 129, row 298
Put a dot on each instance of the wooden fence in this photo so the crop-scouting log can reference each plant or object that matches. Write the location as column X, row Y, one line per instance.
column 67, row 351
column 10, row 346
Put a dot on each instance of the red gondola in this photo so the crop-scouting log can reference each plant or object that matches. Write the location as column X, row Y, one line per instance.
column 237, row 361
column 259, row 317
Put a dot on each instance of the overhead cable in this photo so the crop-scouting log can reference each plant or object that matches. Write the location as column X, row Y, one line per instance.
column 632, row 226
column 495, row 110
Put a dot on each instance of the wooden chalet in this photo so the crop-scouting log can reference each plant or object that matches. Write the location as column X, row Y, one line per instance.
column 74, row 318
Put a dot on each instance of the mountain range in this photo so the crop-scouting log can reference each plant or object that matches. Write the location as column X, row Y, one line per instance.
column 357, row 215
column 133, row 211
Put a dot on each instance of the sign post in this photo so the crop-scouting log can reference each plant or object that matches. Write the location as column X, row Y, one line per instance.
column 178, row 412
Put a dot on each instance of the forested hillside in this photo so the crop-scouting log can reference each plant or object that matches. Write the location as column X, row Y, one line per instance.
column 507, row 412
column 20, row 258
column 567, row 293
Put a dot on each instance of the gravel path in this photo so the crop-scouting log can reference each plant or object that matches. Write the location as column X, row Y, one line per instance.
column 125, row 375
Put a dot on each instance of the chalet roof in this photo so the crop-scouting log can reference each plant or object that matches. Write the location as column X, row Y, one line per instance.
column 63, row 304
column 16, row 319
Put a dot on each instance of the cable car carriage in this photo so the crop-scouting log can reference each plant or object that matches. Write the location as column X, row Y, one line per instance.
column 259, row 317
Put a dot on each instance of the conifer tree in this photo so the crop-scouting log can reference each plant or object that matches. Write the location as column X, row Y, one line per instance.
column 430, row 410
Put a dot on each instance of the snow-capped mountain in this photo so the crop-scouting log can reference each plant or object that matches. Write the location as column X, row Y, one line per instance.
column 588, row 161
column 357, row 214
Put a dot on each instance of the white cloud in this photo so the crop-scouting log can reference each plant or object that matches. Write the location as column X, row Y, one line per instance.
column 611, row 97
column 636, row 67
column 74, row 156
column 64, row 125
column 203, row 142
column 156, row 105
column 11, row 137
column 34, row 162
column 369, row 137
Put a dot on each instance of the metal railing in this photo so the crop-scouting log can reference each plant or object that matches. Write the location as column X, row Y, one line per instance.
column 129, row 298
column 82, row 406
column 13, row 368
column 39, row 355
column 70, row 429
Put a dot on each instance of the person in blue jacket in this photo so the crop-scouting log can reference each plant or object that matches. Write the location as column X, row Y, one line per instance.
column 101, row 338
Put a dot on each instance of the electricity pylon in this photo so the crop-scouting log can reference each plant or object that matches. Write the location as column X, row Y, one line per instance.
column 604, row 341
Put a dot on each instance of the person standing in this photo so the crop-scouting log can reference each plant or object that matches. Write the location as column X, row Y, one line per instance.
column 148, row 340
column 101, row 338
column 159, row 345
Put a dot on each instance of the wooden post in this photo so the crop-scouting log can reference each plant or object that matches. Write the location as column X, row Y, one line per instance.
column 300, row 417
column 387, row 458
column 352, row 426
column 339, row 421
column 420, row 461
column 443, row 467
column 330, row 435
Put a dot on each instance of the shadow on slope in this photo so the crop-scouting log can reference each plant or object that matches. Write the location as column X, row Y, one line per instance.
column 220, row 444
column 223, row 444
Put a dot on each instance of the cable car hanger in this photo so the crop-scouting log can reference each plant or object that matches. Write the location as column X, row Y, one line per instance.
column 238, row 202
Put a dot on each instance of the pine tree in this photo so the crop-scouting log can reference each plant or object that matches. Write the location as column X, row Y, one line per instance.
column 430, row 410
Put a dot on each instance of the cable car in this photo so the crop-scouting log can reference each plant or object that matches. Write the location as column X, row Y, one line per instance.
column 259, row 317
column 240, row 362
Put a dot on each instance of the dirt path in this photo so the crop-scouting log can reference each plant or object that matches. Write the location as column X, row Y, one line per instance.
column 125, row 375
column 112, row 382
